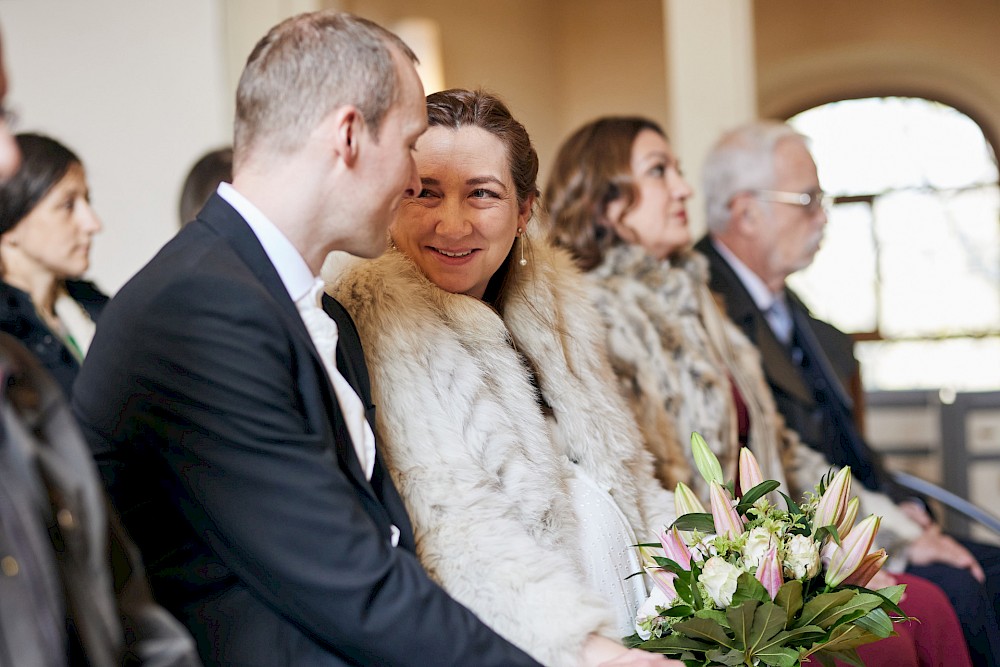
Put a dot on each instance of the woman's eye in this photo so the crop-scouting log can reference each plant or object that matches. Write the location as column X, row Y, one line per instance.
column 482, row 193
column 658, row 170
column 425, row 193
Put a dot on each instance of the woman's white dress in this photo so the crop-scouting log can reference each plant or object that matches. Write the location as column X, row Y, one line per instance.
column 607, row 550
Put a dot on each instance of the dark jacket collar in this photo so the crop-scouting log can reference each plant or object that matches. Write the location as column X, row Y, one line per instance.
column 743, row 311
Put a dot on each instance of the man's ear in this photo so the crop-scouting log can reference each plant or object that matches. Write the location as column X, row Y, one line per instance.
column 346, row 132
column 744, row 213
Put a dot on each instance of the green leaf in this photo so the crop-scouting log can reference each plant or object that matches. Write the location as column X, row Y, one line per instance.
column 670, row 565
column 779, row 657
column 674, row 643
column 876, row 622
column 680, row 610
column 798, row 635
column 821, row 604
column 721, row 657
column 705, row 629
column 692, row 579
column 632, row 641
column 844, row 637
column 849, row 656
column 830, row 530
column 789, row 598
column 714, row 614
column 683, row 588
column 894, row 593
column 701, row 521
column 755, row 494
column 862, row 602
column 767, row 622
column 748, row 588
column 740, row 622
column 890, row 602
column 793, row 507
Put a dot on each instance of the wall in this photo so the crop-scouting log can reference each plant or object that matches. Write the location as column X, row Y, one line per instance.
column 809, row 53
column 137, row 90
column 557, row 63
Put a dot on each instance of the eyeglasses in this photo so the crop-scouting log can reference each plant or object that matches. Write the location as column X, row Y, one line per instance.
column 811, row 201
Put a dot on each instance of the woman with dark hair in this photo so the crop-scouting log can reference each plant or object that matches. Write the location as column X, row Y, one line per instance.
column 617, row 201
column 46, row 225
column 497, row 413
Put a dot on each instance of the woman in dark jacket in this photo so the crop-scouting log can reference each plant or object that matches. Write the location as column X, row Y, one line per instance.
column 46, row 226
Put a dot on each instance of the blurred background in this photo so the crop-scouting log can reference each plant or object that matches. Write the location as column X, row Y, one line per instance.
column 901, row 99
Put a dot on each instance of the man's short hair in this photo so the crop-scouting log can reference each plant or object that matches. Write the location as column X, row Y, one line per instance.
column 742, row 160
column 307, row 66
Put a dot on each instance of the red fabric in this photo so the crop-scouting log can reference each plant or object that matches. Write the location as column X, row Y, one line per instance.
column 742, row 415
column 934, row 639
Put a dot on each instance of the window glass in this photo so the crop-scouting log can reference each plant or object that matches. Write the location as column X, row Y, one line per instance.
column 911, row 258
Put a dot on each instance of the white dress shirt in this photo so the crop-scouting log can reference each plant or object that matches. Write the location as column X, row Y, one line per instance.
column 305, row 289
column 773, row 306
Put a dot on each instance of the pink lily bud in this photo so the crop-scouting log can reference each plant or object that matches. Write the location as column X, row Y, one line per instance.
column 832, row 506
column 845, row 525
column 707, row 463
column 675, row 549
column 685, row 502
column 727, row 522
column 664, row 580
column 847, row 558
column 750, row 475
column 869, row 566
column 769, row 573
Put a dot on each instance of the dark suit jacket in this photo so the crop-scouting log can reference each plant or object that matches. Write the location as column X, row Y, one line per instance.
column 823, row 419
column 19, row 318
column 66, row 541
column 219, row 437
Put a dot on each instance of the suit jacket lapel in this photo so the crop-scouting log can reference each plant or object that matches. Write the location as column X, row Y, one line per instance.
column 222, row 218
column 351, row 364
column 743, row 311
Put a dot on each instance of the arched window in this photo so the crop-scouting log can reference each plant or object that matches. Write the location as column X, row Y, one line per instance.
column 911, row 259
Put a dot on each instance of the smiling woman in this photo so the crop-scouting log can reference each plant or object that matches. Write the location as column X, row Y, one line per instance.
column 497, row 414
column 462, row 225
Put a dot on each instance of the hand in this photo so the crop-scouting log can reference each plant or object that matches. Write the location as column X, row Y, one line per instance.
column 638, row 658
column 935, row 547
column 602, row 652
column 916, row 511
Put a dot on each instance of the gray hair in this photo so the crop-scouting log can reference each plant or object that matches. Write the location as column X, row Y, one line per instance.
column 307, row 66
column 740, row 161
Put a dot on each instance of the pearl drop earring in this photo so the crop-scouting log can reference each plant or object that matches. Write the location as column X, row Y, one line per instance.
column 520, row 233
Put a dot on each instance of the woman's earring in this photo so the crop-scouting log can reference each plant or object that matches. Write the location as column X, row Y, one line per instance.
column 520, row 242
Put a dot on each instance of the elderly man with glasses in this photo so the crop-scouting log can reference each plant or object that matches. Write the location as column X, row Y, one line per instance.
column 766, row 217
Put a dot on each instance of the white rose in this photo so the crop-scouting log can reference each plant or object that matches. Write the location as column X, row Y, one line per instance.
column 801, row 557
column 647, row 612
column 759, row 542
column 719, row 579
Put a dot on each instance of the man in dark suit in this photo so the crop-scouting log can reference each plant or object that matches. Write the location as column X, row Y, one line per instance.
column 766, row 220
column 242, row 460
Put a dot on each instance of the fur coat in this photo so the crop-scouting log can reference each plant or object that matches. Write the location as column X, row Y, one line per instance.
column 482, row 470
column 674, row 352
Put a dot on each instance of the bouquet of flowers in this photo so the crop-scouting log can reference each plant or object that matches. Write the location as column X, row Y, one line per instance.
column 753, row 584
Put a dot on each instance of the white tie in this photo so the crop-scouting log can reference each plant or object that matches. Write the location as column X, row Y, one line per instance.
column 323, row 331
